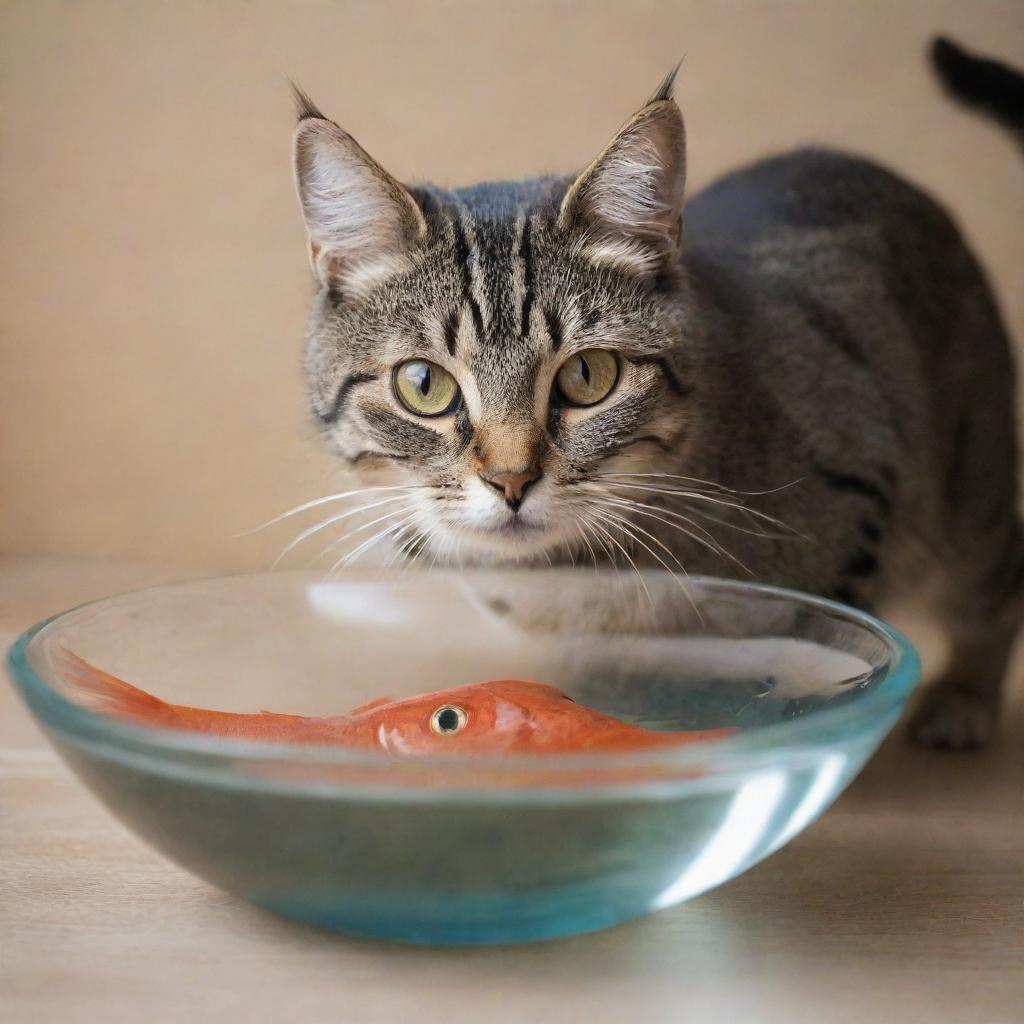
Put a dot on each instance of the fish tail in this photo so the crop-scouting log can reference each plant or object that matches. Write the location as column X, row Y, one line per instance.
column 117, row 695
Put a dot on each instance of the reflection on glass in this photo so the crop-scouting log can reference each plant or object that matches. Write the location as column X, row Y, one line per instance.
column 744, row 825
column 820, row 794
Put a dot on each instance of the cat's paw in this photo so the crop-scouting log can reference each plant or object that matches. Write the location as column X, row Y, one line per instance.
column 953, row 718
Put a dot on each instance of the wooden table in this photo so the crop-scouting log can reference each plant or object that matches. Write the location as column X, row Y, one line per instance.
column 904, row 903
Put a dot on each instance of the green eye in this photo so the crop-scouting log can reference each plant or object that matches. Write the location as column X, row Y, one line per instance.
column 425, row 388
column 588, row 376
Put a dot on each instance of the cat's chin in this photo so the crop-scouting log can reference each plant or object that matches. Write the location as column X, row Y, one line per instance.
column 514, row 541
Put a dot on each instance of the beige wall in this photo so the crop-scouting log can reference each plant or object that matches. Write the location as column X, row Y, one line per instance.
column 154, row 282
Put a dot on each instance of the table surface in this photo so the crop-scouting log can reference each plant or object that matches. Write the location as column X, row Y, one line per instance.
column 905, row 902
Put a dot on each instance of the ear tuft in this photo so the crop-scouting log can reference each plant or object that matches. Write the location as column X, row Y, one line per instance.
column 667, row 86
column 304, row 106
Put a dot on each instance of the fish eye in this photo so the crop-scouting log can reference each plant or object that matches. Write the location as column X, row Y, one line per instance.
column 448, row 718
column 425, row 388
column 588, row 377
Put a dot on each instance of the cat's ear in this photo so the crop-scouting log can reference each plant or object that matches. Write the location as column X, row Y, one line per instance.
column 362, row 223
column 629, row 201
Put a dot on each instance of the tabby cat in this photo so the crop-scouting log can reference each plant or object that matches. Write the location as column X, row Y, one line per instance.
column 802, row 375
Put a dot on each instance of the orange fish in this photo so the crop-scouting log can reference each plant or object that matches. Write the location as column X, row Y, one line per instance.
column 504, row 716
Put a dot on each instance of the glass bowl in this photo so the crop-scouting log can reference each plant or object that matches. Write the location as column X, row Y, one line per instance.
column 473, row 848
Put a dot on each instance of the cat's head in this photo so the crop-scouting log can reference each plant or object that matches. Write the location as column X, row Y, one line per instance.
column 500, row 347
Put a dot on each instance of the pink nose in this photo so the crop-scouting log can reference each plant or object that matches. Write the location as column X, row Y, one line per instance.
column 512, row 485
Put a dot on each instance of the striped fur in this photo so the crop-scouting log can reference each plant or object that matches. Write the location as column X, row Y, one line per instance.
column 823, row 355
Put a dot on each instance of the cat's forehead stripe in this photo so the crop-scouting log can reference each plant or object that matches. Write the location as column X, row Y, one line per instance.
column 500, row 274
column 467, row 259
column 524, row 273
column 450, row 330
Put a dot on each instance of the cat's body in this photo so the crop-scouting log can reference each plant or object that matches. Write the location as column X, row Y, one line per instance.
column 874, row 367
column 845, row 309
column 559, row 373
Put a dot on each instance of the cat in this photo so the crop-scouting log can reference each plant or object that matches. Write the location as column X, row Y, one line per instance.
column 800, row 374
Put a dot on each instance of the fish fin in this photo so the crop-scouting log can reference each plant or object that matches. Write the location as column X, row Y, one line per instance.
column 118, row 695
column 371, row 705
column 278, row 714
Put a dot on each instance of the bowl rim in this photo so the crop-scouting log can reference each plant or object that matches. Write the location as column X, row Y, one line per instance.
column 734, row 752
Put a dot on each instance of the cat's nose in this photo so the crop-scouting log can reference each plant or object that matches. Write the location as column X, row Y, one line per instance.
column 512, row 485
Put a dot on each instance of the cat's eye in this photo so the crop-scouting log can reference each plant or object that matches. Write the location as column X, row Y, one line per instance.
column 448, row 718
column 588, row 376
column 426, row 388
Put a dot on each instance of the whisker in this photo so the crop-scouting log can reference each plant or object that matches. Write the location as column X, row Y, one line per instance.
column 604, row 513
column 631, row 526
column 366, row 544
column 323, row 524
column 401, row 545
column 316, row 502
column 698, row 496
column 409, row 550
column 454, row 550
column 569, row 551
column 666, row 476
column 605, row 549
column 708, row 483
column 334, row 544
column 633, row 503
column 434, row 552
column 413, row 550
column 586, row 540
column 353, row 555
column 626, row 555
column 772, row 490
column 711, row 542
column 761, row 534
column 628, row 528
column 583, row 525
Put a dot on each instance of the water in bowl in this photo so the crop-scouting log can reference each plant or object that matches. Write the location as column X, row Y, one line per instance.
column 470, row 853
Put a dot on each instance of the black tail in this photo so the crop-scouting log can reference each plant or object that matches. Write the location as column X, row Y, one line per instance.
column 996, row 88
